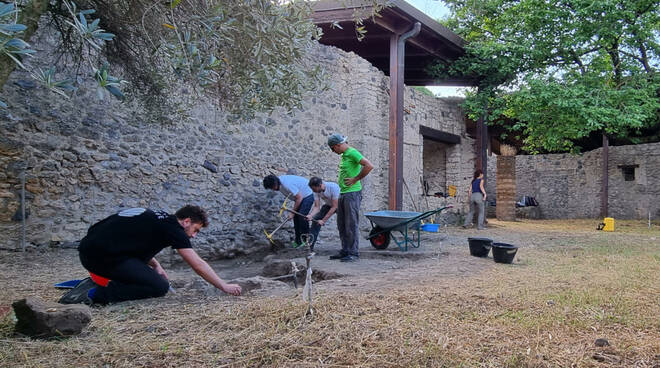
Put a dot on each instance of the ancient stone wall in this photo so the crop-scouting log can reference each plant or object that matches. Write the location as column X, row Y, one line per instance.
column 506, row 188
column 569, row 186
column 84, row 159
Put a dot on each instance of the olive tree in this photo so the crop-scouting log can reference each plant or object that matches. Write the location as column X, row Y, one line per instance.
column 249, row 55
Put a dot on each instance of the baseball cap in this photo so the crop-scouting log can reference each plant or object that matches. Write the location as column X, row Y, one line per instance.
column 336, row 139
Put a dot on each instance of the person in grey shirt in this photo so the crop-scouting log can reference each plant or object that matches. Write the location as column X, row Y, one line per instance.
column 325, row 191
column 296, row 188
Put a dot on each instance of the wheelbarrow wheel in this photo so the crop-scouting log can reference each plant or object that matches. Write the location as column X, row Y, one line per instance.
column 380, row 241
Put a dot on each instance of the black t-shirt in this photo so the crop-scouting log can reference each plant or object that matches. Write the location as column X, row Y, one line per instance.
column 133, row 233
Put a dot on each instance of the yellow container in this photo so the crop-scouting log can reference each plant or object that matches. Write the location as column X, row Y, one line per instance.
column 609, row 224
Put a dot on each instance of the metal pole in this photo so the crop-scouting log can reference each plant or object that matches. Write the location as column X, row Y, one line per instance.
column 23, row 211
column 605, row 180
column 397, row 79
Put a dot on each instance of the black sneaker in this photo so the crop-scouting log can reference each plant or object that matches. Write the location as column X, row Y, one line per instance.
column 349, row 259
column 337, row 256
column 79, row 294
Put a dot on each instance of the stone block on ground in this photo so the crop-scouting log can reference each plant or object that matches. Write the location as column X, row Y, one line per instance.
column 530, row 212
column 280, row 267
column 320, row 275
column 37, row 318
column 258, row 283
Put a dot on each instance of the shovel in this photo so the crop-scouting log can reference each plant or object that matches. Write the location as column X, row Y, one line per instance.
column 270, row 236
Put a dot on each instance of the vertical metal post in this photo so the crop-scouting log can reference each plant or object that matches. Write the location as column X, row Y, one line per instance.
column 604, row 186
column 23, row 211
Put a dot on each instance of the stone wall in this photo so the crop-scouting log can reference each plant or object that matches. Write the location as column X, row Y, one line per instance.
column 506, row 188
column 85, row 159
column 569, row 186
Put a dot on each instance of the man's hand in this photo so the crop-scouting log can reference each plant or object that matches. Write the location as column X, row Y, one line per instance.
column 159, row 270
column 291, row 215
column 153, row 263
column 203, row 269
column 231, row 289
column 350, row 181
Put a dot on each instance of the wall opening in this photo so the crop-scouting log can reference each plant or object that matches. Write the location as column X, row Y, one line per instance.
column 435, row 167
column 436, row 146
column 628, row 172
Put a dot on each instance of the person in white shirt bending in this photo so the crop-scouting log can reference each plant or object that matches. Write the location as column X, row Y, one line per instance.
column 325, row 191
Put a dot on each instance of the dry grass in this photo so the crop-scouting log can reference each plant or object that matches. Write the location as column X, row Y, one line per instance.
column 544, row 311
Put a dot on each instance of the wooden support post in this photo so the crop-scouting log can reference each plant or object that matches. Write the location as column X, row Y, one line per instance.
column 395, row 128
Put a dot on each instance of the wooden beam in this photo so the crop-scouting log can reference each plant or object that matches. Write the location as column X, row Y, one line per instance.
column 479, row 144
column 438, row 135
column 395, row 129
column 333, row 16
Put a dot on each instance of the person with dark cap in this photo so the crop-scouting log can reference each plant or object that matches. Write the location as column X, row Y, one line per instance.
column 353, row 167
column 298, row 189
column 120, row 251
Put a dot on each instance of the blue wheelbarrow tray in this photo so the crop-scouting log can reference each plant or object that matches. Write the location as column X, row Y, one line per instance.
column 393, row 220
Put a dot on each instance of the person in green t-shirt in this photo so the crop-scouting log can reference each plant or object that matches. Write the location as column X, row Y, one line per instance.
column 353, row 167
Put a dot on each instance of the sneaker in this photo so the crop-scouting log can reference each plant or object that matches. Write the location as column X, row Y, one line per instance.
column 79, row 294
column 337, row 256
column 350, row 258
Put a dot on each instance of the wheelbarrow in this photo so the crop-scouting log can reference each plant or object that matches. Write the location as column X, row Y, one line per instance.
column 406, row 223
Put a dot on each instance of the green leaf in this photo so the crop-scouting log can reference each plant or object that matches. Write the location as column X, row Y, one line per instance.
column 12, row 28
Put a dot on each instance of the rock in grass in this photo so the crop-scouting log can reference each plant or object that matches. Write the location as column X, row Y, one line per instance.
column 601, row 342
column 37, row 318
column 280, row 267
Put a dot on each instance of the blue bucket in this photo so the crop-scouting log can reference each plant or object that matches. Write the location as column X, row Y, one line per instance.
column 431, row 228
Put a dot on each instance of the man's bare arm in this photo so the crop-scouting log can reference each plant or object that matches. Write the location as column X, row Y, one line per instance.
column 206, row 272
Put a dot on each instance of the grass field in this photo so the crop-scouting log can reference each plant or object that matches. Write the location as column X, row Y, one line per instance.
column 545, row 310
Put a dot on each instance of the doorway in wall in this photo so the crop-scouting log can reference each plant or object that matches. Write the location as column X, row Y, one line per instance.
column 435, row 167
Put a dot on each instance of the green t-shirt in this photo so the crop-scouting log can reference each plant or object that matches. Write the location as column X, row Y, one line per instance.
column 349, row 167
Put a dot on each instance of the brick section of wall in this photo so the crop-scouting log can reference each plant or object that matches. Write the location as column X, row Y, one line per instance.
column 506, row 188
column 569, row 186
column 85, row 159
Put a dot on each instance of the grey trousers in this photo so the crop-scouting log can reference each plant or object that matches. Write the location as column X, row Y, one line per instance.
column 476, row 200
column 348, row 218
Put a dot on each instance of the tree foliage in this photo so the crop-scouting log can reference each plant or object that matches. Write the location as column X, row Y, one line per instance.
column 248, row 54
column 561, row 69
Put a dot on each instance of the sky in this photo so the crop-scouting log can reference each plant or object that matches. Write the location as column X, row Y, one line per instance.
column 436, row 9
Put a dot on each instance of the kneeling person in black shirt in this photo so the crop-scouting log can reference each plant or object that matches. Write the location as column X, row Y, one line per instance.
column 122, row 248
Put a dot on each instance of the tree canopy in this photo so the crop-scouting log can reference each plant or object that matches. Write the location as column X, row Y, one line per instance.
column 561, row 69
column 248, row 54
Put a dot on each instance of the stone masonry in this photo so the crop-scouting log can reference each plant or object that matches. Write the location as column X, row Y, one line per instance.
column 85, row 159
column 506, row 188
column 568, row 186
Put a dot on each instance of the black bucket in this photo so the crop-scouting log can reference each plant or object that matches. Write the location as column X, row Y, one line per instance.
column 479, row 247
column 503, row 252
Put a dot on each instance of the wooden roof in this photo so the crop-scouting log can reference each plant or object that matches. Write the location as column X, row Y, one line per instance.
column 434, row 43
